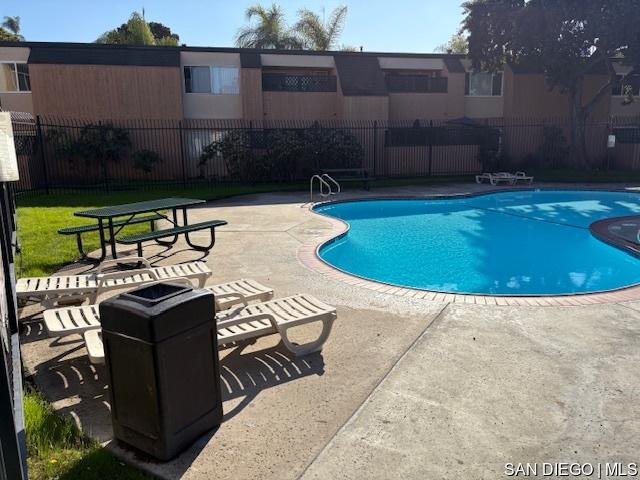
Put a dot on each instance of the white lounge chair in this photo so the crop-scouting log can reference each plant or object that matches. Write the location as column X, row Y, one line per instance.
column 50, row 290
column 63, row 321
column 495, row 178
column 522, row 176
column 252, row 321
column 482, row 177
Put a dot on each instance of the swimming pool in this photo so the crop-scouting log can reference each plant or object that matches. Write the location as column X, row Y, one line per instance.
column 534, row 242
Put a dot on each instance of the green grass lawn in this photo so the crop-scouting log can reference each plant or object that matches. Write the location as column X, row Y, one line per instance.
column 58, row 450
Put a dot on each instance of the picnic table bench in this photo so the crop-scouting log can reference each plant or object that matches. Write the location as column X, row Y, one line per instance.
column 156, row 235
column 349, row 175
column 80, row 229
column 107, row 224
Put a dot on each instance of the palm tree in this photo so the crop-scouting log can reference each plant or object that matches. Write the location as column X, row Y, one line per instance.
column 318, row 35
column 270, row 31
column 12, row 24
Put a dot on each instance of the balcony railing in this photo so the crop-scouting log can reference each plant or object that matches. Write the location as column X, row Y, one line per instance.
column 416, row 84
column 276, row 82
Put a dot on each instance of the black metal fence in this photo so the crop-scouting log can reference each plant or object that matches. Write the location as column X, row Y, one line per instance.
column 12, row 435
column 59, row 154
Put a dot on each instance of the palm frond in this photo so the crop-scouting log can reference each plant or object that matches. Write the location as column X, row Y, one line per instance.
column 336, row 25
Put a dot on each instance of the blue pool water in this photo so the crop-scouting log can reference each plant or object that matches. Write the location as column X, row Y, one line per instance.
column 518, row 243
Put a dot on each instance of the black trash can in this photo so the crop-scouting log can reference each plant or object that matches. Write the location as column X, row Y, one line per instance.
column 162, row 361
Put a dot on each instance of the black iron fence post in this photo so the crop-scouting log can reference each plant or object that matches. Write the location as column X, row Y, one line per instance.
column 375, row 146
column 182, row 158
column 43, row 157
column 105, row 167
column 12, row 436
column 430, row 138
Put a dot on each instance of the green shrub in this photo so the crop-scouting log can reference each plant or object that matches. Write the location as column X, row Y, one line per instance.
column 145, row 160
column 554, row 150
column 95, row 144
column 284, row 154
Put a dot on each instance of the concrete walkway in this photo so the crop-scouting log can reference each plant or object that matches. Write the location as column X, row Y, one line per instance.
column 404, row 388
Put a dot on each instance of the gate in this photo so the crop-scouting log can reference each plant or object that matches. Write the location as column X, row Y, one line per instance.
column 12, row 435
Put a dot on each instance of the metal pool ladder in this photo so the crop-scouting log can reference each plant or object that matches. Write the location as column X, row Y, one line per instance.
column 326, row 185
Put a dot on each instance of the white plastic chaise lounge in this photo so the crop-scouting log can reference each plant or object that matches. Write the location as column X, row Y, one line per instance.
column 253, row 321
column 49, row 290
column 63, row 321
column 495, row 178
column 522, row 176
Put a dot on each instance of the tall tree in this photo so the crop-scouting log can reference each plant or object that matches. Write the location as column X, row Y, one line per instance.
column 161, row 32
column 456, row 44
column 11, row 29
column 270, row 31
column 565, row 39
column 317, row 34
column 137, row 31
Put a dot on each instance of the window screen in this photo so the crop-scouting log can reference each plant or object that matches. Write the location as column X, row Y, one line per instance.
column 224, row 80
column 197, row 79
column 483, row 84
column 24, row 85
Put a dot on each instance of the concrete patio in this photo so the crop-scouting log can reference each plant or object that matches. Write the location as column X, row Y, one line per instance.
column 404, row 388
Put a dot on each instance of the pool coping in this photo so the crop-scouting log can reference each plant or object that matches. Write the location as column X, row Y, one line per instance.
column 308, row 255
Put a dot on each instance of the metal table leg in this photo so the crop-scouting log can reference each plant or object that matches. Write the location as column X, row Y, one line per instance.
column 103, row 246
column 112, row 239
column 168, row 243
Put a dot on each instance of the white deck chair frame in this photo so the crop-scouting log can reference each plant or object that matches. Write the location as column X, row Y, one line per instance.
column 257, row 320
column 496, row 178
column 63, row 321
column 51, row 290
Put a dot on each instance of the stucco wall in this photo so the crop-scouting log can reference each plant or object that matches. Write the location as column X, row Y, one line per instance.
column 14, row 54
column 365, row 108
column 303, row 61
column 16, row 102
column 484, row 107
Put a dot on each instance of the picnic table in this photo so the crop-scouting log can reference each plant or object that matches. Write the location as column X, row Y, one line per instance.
column 107, row 223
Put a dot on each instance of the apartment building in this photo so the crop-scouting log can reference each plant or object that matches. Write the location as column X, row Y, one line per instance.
column 92, row 81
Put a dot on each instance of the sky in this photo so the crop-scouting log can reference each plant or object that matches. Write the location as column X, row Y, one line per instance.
column 376, row 25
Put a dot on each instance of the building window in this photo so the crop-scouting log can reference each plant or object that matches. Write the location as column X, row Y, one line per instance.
column 290, row 82
column 625, row 82
column 215, row 80
column 416, row 83
column 482, row 84
column 14, row 77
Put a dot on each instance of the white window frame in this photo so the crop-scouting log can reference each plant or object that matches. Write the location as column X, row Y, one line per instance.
column 16, row 75
column 211, row 76
column 486, row 96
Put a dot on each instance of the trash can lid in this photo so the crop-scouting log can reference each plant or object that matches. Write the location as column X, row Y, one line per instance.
column 158, row 311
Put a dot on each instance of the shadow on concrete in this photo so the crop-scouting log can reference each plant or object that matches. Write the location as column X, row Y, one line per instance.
column 156, row 255
column 80, row 389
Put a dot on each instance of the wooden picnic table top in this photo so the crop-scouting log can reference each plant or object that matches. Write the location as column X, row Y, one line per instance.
column 139, row 207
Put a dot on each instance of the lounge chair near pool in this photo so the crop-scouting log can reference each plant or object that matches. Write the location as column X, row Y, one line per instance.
column 522, row 176
column 63, row 321
column 495, row 178
column 50, row 290
column 253, row 321
column 504, row 177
